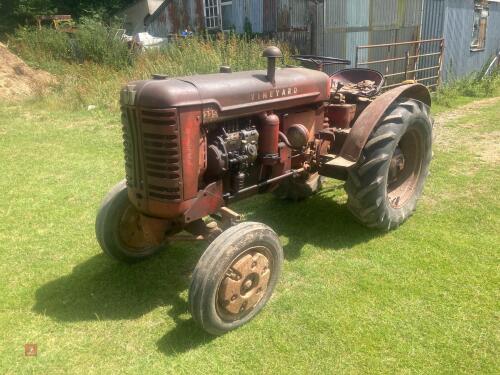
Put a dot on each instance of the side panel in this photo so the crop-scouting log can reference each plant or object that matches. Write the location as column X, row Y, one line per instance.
column 190, row 120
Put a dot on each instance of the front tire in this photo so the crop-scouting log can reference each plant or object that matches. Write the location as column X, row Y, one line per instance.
column 118, row 229
column 235, row 277
column 385, row 184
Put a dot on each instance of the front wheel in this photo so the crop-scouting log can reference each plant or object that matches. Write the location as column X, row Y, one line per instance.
column 119, row 230
column 384, row 186
column 235, row 277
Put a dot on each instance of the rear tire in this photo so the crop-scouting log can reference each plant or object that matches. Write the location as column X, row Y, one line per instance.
column 235, row 277
column 300, row 188
column 109, row 228
column 385, row 184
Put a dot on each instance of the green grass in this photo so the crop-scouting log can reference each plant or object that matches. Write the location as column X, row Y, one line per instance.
column 421, row 299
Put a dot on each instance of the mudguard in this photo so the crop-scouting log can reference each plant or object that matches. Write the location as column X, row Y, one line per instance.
column 371, row 117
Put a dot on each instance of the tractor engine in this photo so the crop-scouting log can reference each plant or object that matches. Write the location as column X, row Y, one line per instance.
column 232, row 153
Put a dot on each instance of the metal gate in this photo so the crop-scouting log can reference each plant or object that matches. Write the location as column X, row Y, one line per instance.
column 419, row 60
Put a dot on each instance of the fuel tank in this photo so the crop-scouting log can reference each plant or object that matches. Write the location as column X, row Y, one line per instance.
column 229, row 95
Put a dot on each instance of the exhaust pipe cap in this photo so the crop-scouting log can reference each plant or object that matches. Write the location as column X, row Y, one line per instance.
column 272, row 52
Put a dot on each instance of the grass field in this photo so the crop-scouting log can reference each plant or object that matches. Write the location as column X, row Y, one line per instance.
column 421, row 299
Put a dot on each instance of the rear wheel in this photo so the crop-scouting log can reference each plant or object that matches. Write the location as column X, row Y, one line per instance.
column 235, row 277
column 299, row 188
column 119, row 229
column 384, row 186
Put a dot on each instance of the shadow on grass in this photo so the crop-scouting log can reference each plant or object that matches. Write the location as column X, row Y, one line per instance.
column 100, row 289
column 320, row 221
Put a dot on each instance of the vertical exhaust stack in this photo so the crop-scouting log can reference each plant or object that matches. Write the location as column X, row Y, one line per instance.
column 271, row 53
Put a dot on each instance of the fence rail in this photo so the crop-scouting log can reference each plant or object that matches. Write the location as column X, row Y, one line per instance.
column 419, row 60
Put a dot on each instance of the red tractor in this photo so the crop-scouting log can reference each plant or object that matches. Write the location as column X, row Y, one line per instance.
column 195, row 144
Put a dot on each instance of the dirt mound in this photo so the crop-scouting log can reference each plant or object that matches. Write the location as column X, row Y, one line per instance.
column 18, row 80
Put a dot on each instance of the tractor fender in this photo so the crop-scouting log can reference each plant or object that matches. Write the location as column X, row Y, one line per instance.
column 371, row 117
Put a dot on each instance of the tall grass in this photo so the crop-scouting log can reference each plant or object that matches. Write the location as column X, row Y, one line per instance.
column 471, row 86
column 206, row 55
column 92, row 64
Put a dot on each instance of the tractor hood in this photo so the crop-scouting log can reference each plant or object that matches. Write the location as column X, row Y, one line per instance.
column 225, row 95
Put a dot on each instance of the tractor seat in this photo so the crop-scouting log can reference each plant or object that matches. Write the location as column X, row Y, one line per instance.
column 357, row 82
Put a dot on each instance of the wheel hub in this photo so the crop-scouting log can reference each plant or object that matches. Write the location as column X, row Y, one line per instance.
column 244, row 283
column 396, row 166
column 404, row 169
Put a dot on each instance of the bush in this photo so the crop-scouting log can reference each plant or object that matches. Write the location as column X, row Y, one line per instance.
column 92, row 41
column 39, row 46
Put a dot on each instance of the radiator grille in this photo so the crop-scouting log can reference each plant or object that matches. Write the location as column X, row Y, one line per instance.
column 152, row 153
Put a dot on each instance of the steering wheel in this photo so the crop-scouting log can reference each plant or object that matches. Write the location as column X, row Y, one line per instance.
column 321, row 61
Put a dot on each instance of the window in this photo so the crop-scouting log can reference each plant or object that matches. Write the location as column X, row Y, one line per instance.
column 480, row 23
column 212, row 19
column 218, row 14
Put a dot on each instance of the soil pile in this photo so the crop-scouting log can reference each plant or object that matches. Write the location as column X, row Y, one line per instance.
column 18, row 80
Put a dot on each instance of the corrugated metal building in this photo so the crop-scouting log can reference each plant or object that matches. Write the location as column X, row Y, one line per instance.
column 455, row 21
column 337, row 27
column 285, row 19
column 331, row 27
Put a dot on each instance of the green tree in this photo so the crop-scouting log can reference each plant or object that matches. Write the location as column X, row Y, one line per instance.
column 23, row 12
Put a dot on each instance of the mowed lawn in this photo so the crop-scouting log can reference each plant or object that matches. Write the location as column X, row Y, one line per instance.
column 422, row 299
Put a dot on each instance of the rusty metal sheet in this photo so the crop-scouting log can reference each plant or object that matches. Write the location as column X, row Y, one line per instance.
column 207, row 201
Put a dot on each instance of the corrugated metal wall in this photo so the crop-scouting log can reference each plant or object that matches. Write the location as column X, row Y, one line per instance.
column 432, row 28
column 176, row 15
column 251, row 10
column 453, row 20
column 291, row 21
column 270, row 16
column 345, row 24
column 457, row 30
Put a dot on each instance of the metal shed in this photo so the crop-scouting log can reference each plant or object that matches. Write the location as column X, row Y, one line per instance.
column 454, row 21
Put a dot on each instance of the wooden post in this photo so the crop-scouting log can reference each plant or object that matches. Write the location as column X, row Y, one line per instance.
column 407, row 60
column 440, row 62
